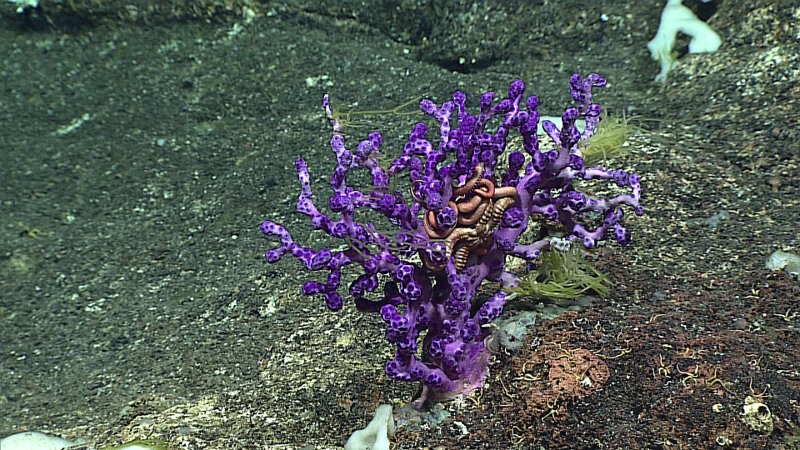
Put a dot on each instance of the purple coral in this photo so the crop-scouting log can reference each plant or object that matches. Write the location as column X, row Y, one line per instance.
column 459, row 220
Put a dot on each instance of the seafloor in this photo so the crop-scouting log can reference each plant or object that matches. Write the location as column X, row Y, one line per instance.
column 141, row 147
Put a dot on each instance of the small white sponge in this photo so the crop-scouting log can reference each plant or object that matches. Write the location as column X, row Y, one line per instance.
column 788, row 262
column 34, row 440
column 376, row 435
column 24, row 4
column 674, row 18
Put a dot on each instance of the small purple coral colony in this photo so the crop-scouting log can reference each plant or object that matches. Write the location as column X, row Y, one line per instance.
column 456, row 221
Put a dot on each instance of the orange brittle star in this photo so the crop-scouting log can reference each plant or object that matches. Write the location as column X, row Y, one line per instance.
column 479, row 205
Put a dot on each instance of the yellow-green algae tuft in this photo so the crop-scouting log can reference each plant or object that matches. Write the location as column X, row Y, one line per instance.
column 562, row 276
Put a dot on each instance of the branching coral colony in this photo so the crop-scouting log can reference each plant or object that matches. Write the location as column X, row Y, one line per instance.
column 461, row 219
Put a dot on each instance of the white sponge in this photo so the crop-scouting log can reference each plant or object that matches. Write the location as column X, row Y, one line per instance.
column 34, row 440
column 788, row 262
column 674, row 18
column 22, row 5
column 376, row 435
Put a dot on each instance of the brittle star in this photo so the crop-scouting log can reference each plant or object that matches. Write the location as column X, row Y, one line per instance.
column 479, row 205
